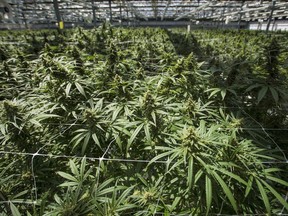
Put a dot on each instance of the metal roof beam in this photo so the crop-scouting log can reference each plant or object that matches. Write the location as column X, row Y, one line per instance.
column 165, row 10
column 135, row 11
column 195, row 10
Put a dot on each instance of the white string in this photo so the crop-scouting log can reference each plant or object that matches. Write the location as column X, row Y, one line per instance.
column 243, row 128
column 79, row 157
column 161, row 213
column 113, row 159
column 18, row 201
column 286, row 198
column 33, row 173
column 161, row 191
column 102, row 158
column 16, row 43
column 34, row 178
column 263, row 129
column 248, row 214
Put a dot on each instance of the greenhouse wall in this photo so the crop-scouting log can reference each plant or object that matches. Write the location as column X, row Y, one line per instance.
column 274, row 26
column 163, row 24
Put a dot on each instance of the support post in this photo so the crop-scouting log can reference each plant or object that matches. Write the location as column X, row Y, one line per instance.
column 93, row 11
column 58, row 16
column 25, row 20
column 165, row 10
column 239, row 21
column 110, row 10
column 271, row 14
column 273, row 25
column 120, row 7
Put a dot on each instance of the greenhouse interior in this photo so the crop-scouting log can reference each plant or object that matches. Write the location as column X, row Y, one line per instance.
column 145, row 108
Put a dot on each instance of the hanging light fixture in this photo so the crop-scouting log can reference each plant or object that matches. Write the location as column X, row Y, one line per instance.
column 5, row 10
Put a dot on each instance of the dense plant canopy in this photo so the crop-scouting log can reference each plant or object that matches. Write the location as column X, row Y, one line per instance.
column 114, row 121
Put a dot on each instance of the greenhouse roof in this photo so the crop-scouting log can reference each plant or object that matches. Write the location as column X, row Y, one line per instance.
column 51, row 11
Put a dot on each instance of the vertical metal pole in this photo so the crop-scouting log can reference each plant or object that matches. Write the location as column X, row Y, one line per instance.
column 25, row 20
column 120, row 11
column 239, row 21
column 56, row 8
column 222, row 18
column 110, row 8
column 154, row 8
column 271, row 14
column 94, row 13
column 259, row 27
column 273, row 25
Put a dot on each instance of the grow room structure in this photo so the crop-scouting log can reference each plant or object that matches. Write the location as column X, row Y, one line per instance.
column 259, row 14
column 99, row 118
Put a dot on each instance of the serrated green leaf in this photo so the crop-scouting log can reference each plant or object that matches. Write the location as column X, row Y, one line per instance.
column 276, row 194
column 57, row 199
column 96, row 140
column 268, row 170
column 14, row 210
column 124, row 196
column 67, row 176
column 190, row 172
column 83, row 166
column 175, row 203
column 116, row 113
column 232, row 91
column 20, row 194
column 44, row 116
column 262, row 93
column 279, row 181
column 35, row 122
column 80, row 89
column 198, row 175
column 86, row 142
column 67, row 89
column 232, row 175
column 209, row 193
column 264, row 196
column 73, row 168
column 78, row 137
column 223, row 93
column 164, row 154
column 2, row 129
column 176, row 164
column 69, row 184
column 154, row 117
column 252, row 87
column 249, row 185
column 147, row 133
column 226, row 190
column 134, row 135
column 274, row 94
column 214, row 91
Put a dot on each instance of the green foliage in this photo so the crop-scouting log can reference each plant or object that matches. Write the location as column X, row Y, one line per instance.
column 166, row 123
